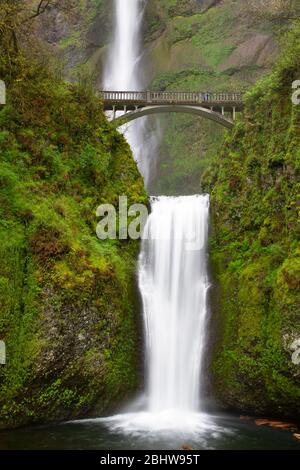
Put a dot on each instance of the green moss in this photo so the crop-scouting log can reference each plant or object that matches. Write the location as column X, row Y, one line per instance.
column 73, row 40
column 254, row 186
column 68, row 307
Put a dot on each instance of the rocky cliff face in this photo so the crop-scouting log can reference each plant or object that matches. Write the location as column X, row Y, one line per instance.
column 219, row 47
column 190, row 30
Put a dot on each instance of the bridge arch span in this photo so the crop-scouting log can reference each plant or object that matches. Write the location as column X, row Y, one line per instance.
column 159, row 109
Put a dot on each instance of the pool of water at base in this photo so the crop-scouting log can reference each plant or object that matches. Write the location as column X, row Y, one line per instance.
column 149, row 432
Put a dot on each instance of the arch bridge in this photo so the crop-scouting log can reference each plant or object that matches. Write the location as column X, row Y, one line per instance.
column 218, row 107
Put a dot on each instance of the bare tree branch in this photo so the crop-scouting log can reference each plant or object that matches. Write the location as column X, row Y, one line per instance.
column 41, row 8
column 16, row 15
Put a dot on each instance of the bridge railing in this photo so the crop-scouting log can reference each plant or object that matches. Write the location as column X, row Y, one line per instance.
column 179, row 97
column 123, row 95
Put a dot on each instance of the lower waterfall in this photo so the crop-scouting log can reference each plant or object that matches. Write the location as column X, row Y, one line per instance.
column 173, row 282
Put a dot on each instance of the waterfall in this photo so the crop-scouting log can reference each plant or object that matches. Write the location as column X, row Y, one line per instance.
column 173, row 282
column 122, row 73
column 172, row 271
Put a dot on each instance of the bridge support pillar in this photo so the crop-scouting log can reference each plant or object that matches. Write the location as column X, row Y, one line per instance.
column 233, row 113
column 114, row 112
column 223, row 111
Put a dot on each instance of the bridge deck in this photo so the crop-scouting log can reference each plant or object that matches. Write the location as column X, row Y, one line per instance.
column 117, row 100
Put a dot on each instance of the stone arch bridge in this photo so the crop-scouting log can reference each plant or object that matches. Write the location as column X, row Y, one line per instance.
column 218, row 107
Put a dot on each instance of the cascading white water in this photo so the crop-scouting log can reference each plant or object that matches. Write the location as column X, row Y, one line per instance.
column 173, row 282
column 122, row 73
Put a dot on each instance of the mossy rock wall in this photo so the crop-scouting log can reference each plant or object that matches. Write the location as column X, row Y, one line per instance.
column 68, row 304
column 254, row 185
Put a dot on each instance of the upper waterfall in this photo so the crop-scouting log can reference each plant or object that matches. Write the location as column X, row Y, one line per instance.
column 122, row 72
column 121, row 68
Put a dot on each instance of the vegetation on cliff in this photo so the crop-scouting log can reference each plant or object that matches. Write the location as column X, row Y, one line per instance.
column 201, row 46
column 68, row 302
column 254, row 185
